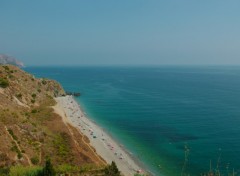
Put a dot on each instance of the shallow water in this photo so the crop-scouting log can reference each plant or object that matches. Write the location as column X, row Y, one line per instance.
column 157, row 112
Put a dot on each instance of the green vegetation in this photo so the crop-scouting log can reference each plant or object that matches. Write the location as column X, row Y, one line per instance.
column 61, row 143
column 34, row 95
column 15, row 149
column 11, row 76
column 112, row 170
column 4, row 83
column 6, row 68
column 44, row 82
column 35, row 160
column 4, row 171
column 34, row 111
column 48, row 169
column 26, row 171
column 19, row 95
column 12, row 134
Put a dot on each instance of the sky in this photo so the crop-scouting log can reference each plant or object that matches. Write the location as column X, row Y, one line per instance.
column 124, row 32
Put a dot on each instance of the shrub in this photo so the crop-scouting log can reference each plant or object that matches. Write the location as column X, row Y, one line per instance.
column 4, row 83
column 34, row 111
column 19, row 95
column 32, row 101
column 35, row 160
column 34, row 95
column 44, row 82
column 62, row 144
column 6, row 68
column 12, row 134
column 112, row 170
column 4, row 171
column 11, row 76
column 26, row 171
column 48, row 169
column 15, row 149
column 19, row 155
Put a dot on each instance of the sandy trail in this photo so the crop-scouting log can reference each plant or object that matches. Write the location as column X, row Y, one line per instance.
column 105, row 146
column 19, row 148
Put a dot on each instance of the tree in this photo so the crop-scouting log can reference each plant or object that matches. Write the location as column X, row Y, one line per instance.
column 4, row 83
column 112, row 170
column 48, row 169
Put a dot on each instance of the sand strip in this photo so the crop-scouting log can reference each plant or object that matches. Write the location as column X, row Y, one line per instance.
column 105, row 146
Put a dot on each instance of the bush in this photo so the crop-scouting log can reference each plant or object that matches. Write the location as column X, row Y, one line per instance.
column 4, row 83
column 34, row 95
column 6, row 68
column 62, row 145
column 19, row 95
column 19, row 155
column 26, row 171
column 112, row 170
column 12, row 134
column 48, row 169
column 15, row 149
column 34, row 111
column 35, row 160
column 32, row 101
column 4, row 171
column 44, row 82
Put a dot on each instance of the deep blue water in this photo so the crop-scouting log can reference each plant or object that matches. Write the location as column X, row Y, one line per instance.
column 156, row 112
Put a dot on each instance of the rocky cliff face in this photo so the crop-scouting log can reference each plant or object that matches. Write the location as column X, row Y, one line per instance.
column 4, row 59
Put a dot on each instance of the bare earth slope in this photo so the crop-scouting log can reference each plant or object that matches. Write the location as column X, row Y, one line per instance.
column 30, row 130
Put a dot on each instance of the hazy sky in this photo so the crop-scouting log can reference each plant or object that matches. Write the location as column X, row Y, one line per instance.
column 123, row 32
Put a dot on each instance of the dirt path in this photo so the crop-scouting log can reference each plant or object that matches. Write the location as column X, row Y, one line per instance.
column 19, row 148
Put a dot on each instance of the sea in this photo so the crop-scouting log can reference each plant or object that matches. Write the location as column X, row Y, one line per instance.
column 174, row 120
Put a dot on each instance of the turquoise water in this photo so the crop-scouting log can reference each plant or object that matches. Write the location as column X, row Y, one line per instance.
column 156, row 112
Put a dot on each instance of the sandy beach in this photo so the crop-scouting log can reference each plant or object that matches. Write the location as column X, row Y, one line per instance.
column 105, row 146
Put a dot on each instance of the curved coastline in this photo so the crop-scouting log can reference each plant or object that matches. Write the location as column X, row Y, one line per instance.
column 130, row 155
column 107, row 147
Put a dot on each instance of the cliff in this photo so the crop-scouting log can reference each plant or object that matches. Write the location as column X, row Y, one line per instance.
column 29, row 128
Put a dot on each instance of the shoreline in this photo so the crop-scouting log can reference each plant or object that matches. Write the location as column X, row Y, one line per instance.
column 108, row 148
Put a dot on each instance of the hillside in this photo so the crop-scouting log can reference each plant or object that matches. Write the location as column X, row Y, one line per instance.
column 29, row 128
